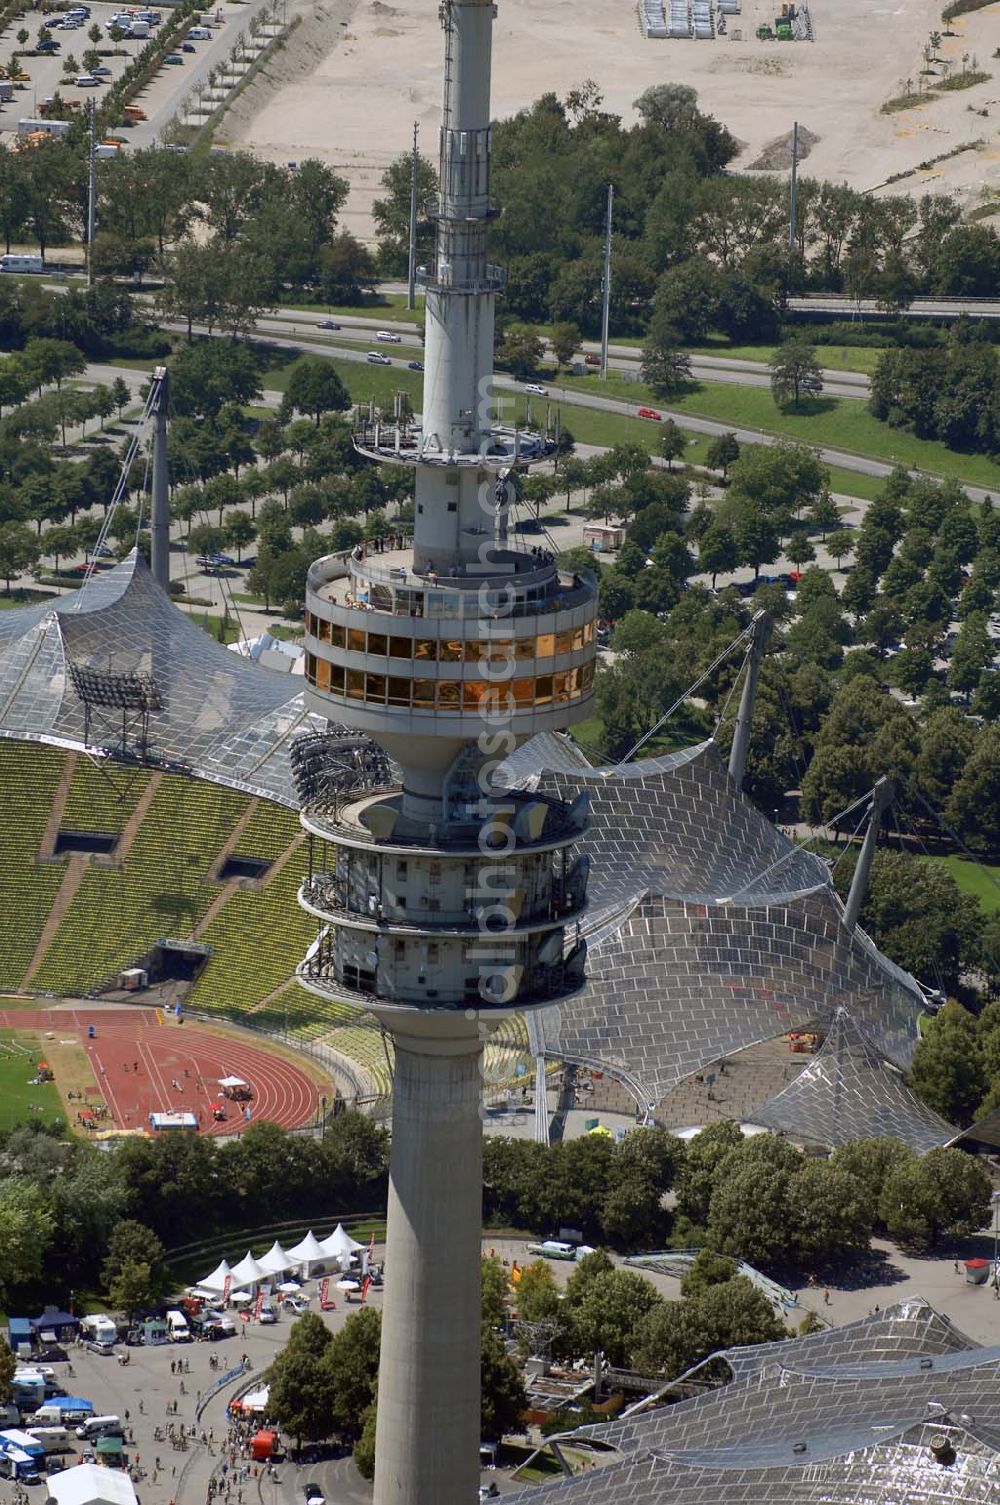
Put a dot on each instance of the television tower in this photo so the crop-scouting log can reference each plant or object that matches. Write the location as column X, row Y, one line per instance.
column 444, row 904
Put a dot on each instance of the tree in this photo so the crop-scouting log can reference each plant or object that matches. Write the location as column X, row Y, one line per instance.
column 392, row 213
column 610, row 1314
column 350, row 1366
column 705, row 1153
column 795, row 373
column 756, row 538
column 665, row 367
column 494, row 1289
column 722, row 452
column 503, row 1398
column 120, row 394
column 670, row 442
column 521, row 351
column 973, row 810
column 133, row 1289
column 239, row 531
column 947, row 1072
column 565, row 340
column 132, row 1243
column 26, row 1228
column 718, row 551
column 831, row 1213
column 8, row 1367
column 301, row 1395
column 19, row 549
column 537, row 1294
column 315, row 388
column 726, row 1313
column 840, row 546
column 945, row 1193
column 206, row 540
column 781, row 479
column 870, row 1162
column 799, row 548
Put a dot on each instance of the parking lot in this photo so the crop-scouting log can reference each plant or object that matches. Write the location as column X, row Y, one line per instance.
column 160, row 98
column 144, row 1392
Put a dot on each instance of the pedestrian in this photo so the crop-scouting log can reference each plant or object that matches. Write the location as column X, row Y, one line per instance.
column 126, row 1415
column 140, row 1408
column 826, row 1297
column 173, row 1366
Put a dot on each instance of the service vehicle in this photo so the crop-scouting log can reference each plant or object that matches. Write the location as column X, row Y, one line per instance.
column 13, row 263
column 99, row 1426
column 14, row 1464
column 53, row 1439
column 177, row 1328
column 553, row 1248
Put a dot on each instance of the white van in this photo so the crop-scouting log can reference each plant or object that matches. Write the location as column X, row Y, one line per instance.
column 53, row 1439
column 199, row 34
column 177, row 1328
column 99, row 1426
column 100, row 1327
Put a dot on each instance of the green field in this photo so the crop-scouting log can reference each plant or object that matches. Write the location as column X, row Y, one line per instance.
column 839, row 422
column 981, row 879
column 829, row 357
column 19, row 1101
column 390, row 304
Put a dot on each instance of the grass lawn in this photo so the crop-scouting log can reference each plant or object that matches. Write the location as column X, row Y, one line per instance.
column 19, row 1055
column 15, row 598
column 391, row 304
column 829, row 357
column 839, row 422
column 982, row 879
column 361, row 380
column 212, row 623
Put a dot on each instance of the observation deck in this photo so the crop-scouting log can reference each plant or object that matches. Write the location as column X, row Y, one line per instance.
column 402, row 441
column 441, row 279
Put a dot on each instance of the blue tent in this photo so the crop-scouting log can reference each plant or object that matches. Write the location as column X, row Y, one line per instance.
column 52, row 1320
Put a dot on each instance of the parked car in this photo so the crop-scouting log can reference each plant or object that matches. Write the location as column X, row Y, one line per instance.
column 188, row 47
column 414, row 365
column 536, row 390
column 651, row 414
column 86, row 81
column 101, row 72
column 297, row 1304
column 327, row 324
column 387, row 338
column 174, row 58
column 376, row 358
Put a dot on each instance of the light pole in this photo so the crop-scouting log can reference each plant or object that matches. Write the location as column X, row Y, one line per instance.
column 995, row 1199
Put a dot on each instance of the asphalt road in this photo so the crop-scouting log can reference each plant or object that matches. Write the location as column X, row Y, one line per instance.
column 303, row 339
column 920, row 308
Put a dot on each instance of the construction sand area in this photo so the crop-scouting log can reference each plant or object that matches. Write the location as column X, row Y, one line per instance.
column 356, row 74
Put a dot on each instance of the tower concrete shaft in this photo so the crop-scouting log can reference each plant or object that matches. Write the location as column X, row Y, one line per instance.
column 445, row 904
column 760, row 632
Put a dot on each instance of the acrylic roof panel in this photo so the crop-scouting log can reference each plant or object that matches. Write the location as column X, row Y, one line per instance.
column 849, row 1092
column 709, row 930
column 226, row 719
column 844, row 1416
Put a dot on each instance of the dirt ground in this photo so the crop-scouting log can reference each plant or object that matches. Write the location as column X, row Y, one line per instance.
column 356, row 74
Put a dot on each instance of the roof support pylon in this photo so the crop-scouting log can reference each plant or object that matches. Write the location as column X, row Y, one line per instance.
column 159, row 520
column 882, row 797
column 759, row 634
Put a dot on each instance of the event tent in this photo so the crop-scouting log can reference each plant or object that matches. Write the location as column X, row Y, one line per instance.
column 340, row 1246
column 217, row 1280
column 248, row 1272
column 308, row 1252
column 276, row 1261
column 91, row 1484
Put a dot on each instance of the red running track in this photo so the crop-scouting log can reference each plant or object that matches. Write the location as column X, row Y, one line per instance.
column 178, row 1068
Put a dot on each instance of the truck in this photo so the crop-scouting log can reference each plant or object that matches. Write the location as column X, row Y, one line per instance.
column 27, row 1388
column 19, row 1466
column 60, row 1410
column 99, row 1327
column 15, row 1438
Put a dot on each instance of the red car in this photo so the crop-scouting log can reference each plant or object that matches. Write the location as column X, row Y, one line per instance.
column 651, row 413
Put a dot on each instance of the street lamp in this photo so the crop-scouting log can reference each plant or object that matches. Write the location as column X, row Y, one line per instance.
column 995, row 1199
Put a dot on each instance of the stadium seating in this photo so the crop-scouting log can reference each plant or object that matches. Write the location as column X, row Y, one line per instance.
column 160, row 889
column 102, row 799
column 29, row 778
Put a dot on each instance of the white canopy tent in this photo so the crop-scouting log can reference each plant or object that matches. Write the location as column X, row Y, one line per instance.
column 90, row 1484
column 248, row 1272
column 276, row 1261
column 232, row 1081
column 341, row 1247
column 256, row 1400
column 308, row 1252
column 217, row 1280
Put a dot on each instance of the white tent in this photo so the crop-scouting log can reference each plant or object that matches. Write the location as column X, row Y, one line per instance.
column 248, row 1272
column 217, row 1280
column 256, row 1400
column 90, row 1484
column 340, row 1242
column 308, row 1252
column 276, row 1261
column 232, row 1081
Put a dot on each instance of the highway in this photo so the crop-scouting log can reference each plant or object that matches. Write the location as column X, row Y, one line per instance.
column 299, row 338
column 622, row 359
column 920, row 308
